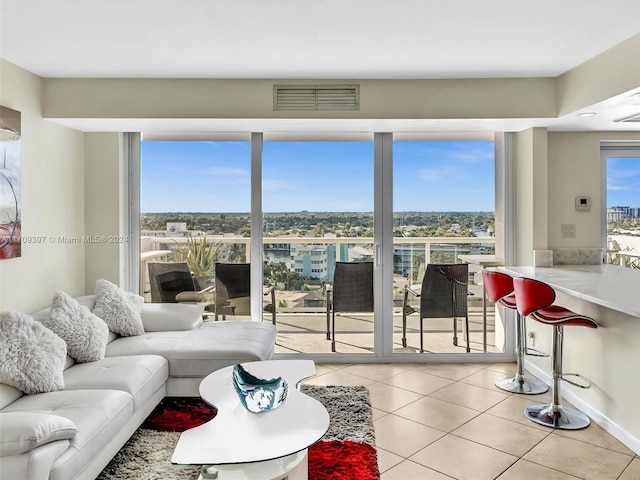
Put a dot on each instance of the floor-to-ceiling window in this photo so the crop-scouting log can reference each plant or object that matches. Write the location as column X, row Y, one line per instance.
column 321, row 196
column 317, row 199
column 194, row 208
column 621, row 219
column 443, row 213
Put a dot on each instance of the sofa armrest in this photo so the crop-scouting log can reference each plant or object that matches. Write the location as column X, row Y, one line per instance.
column 24, row 431
column 165, row 317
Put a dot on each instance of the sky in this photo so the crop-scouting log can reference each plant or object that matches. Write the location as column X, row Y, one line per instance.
column 315, row 176
column 623, row 182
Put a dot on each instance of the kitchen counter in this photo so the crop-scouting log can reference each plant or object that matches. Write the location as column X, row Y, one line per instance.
column 609, row 355
column 610, row 286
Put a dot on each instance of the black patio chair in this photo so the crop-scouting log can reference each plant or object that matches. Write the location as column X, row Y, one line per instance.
column 233, row 291
column 443, row 294
column 352, row 291
column 172, row 282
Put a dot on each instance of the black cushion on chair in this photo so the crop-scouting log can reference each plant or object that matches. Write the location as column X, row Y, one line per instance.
column 173, row 283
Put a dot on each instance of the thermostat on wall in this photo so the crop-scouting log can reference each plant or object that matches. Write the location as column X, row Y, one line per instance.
column 583, row 203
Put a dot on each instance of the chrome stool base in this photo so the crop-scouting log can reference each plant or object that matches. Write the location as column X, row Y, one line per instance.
column 557, row 417
column 521, row 384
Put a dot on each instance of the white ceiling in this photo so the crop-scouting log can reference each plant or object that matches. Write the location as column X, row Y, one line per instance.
column 291, row 39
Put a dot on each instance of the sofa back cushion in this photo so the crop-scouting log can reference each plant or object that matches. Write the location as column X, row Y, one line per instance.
column 8, row 394
column 165, row 317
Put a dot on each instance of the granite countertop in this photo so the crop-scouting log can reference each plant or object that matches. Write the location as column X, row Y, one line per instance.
column 610, row 286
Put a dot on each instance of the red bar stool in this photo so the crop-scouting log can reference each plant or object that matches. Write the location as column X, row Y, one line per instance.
column 498, row 287
column 534, row 299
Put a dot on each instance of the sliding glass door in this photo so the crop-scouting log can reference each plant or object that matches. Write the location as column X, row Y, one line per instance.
column 295, row 207
column 444, row 224
column 317, row 199
column 195, row 210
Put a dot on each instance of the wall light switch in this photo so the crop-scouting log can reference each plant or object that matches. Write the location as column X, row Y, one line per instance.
column 568, row 230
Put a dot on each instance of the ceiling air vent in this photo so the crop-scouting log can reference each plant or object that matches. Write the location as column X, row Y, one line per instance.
column 316, row 97
column 631, row 118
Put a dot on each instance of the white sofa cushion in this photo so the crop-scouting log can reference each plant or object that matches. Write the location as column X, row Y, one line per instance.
column 197, row 353
column 8, row 394
column 118, row 308
column 32, row 357
column 99, row 416
column 84, row 333
column 162, row 317
column 24, row 431
column 139, row 375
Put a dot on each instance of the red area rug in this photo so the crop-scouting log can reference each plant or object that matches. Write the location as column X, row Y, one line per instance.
column 346, row 452
column 177, row 414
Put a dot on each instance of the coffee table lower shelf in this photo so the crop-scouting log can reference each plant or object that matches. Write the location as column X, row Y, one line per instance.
column 291, row 467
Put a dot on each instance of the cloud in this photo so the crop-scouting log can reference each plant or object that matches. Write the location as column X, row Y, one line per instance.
column 225, row 175
column 449, row 172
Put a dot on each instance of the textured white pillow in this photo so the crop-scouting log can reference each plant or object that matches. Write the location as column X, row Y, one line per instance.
column 119, row 309
column 85, row 334
column 32, row 357
column 24, row 431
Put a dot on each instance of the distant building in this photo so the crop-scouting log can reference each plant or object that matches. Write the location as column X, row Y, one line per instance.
column 173, row 230
column 615, row 214
column 621, row 212
column 176, row 227
column 315, row 261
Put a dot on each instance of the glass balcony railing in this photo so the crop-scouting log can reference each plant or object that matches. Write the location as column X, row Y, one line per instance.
column 302, row 265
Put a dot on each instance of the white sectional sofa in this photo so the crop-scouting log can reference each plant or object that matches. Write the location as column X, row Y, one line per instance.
column 74, row 432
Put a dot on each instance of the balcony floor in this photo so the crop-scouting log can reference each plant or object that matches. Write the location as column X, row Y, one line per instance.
column 306, row 333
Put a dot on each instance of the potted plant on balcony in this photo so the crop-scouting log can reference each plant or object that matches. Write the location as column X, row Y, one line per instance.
column 201, row 257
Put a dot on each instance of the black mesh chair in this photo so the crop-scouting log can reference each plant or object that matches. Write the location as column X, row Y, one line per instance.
column 172, row 282
column 233, row 291
column 352, row 291
column 443, row 295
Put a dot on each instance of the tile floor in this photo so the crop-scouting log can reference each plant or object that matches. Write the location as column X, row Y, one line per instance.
column 448, row 421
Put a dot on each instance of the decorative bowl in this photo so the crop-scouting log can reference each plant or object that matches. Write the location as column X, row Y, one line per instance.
column 258, row 394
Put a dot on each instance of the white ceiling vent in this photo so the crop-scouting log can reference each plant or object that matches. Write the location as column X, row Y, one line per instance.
column 316, row 97
column 631, row 118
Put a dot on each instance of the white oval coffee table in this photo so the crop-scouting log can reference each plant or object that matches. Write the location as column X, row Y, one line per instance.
column 256, row 446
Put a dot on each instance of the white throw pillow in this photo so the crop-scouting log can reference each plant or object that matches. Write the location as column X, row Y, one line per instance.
column 119, row 309
column 32, row 357
column 24, row 431
column 85, row 334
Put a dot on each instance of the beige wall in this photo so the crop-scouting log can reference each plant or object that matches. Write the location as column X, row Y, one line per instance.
column 531, row 194
column 104, row 181
column 52, row 201
column 552, row 168
column 611, row 73
column 575, row 168
column 241, row 98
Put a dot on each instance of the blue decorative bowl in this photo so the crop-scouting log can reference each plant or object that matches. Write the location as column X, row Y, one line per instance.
column 258, row 394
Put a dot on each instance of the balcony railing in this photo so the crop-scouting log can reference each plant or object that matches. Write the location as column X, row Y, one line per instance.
column 301, row 316
column 410, row 253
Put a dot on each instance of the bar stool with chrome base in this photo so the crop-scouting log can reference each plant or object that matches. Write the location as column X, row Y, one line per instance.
column 534, row 299
column 499, row 288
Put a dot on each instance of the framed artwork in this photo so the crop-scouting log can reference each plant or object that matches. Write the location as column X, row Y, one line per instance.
column 10, row 187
